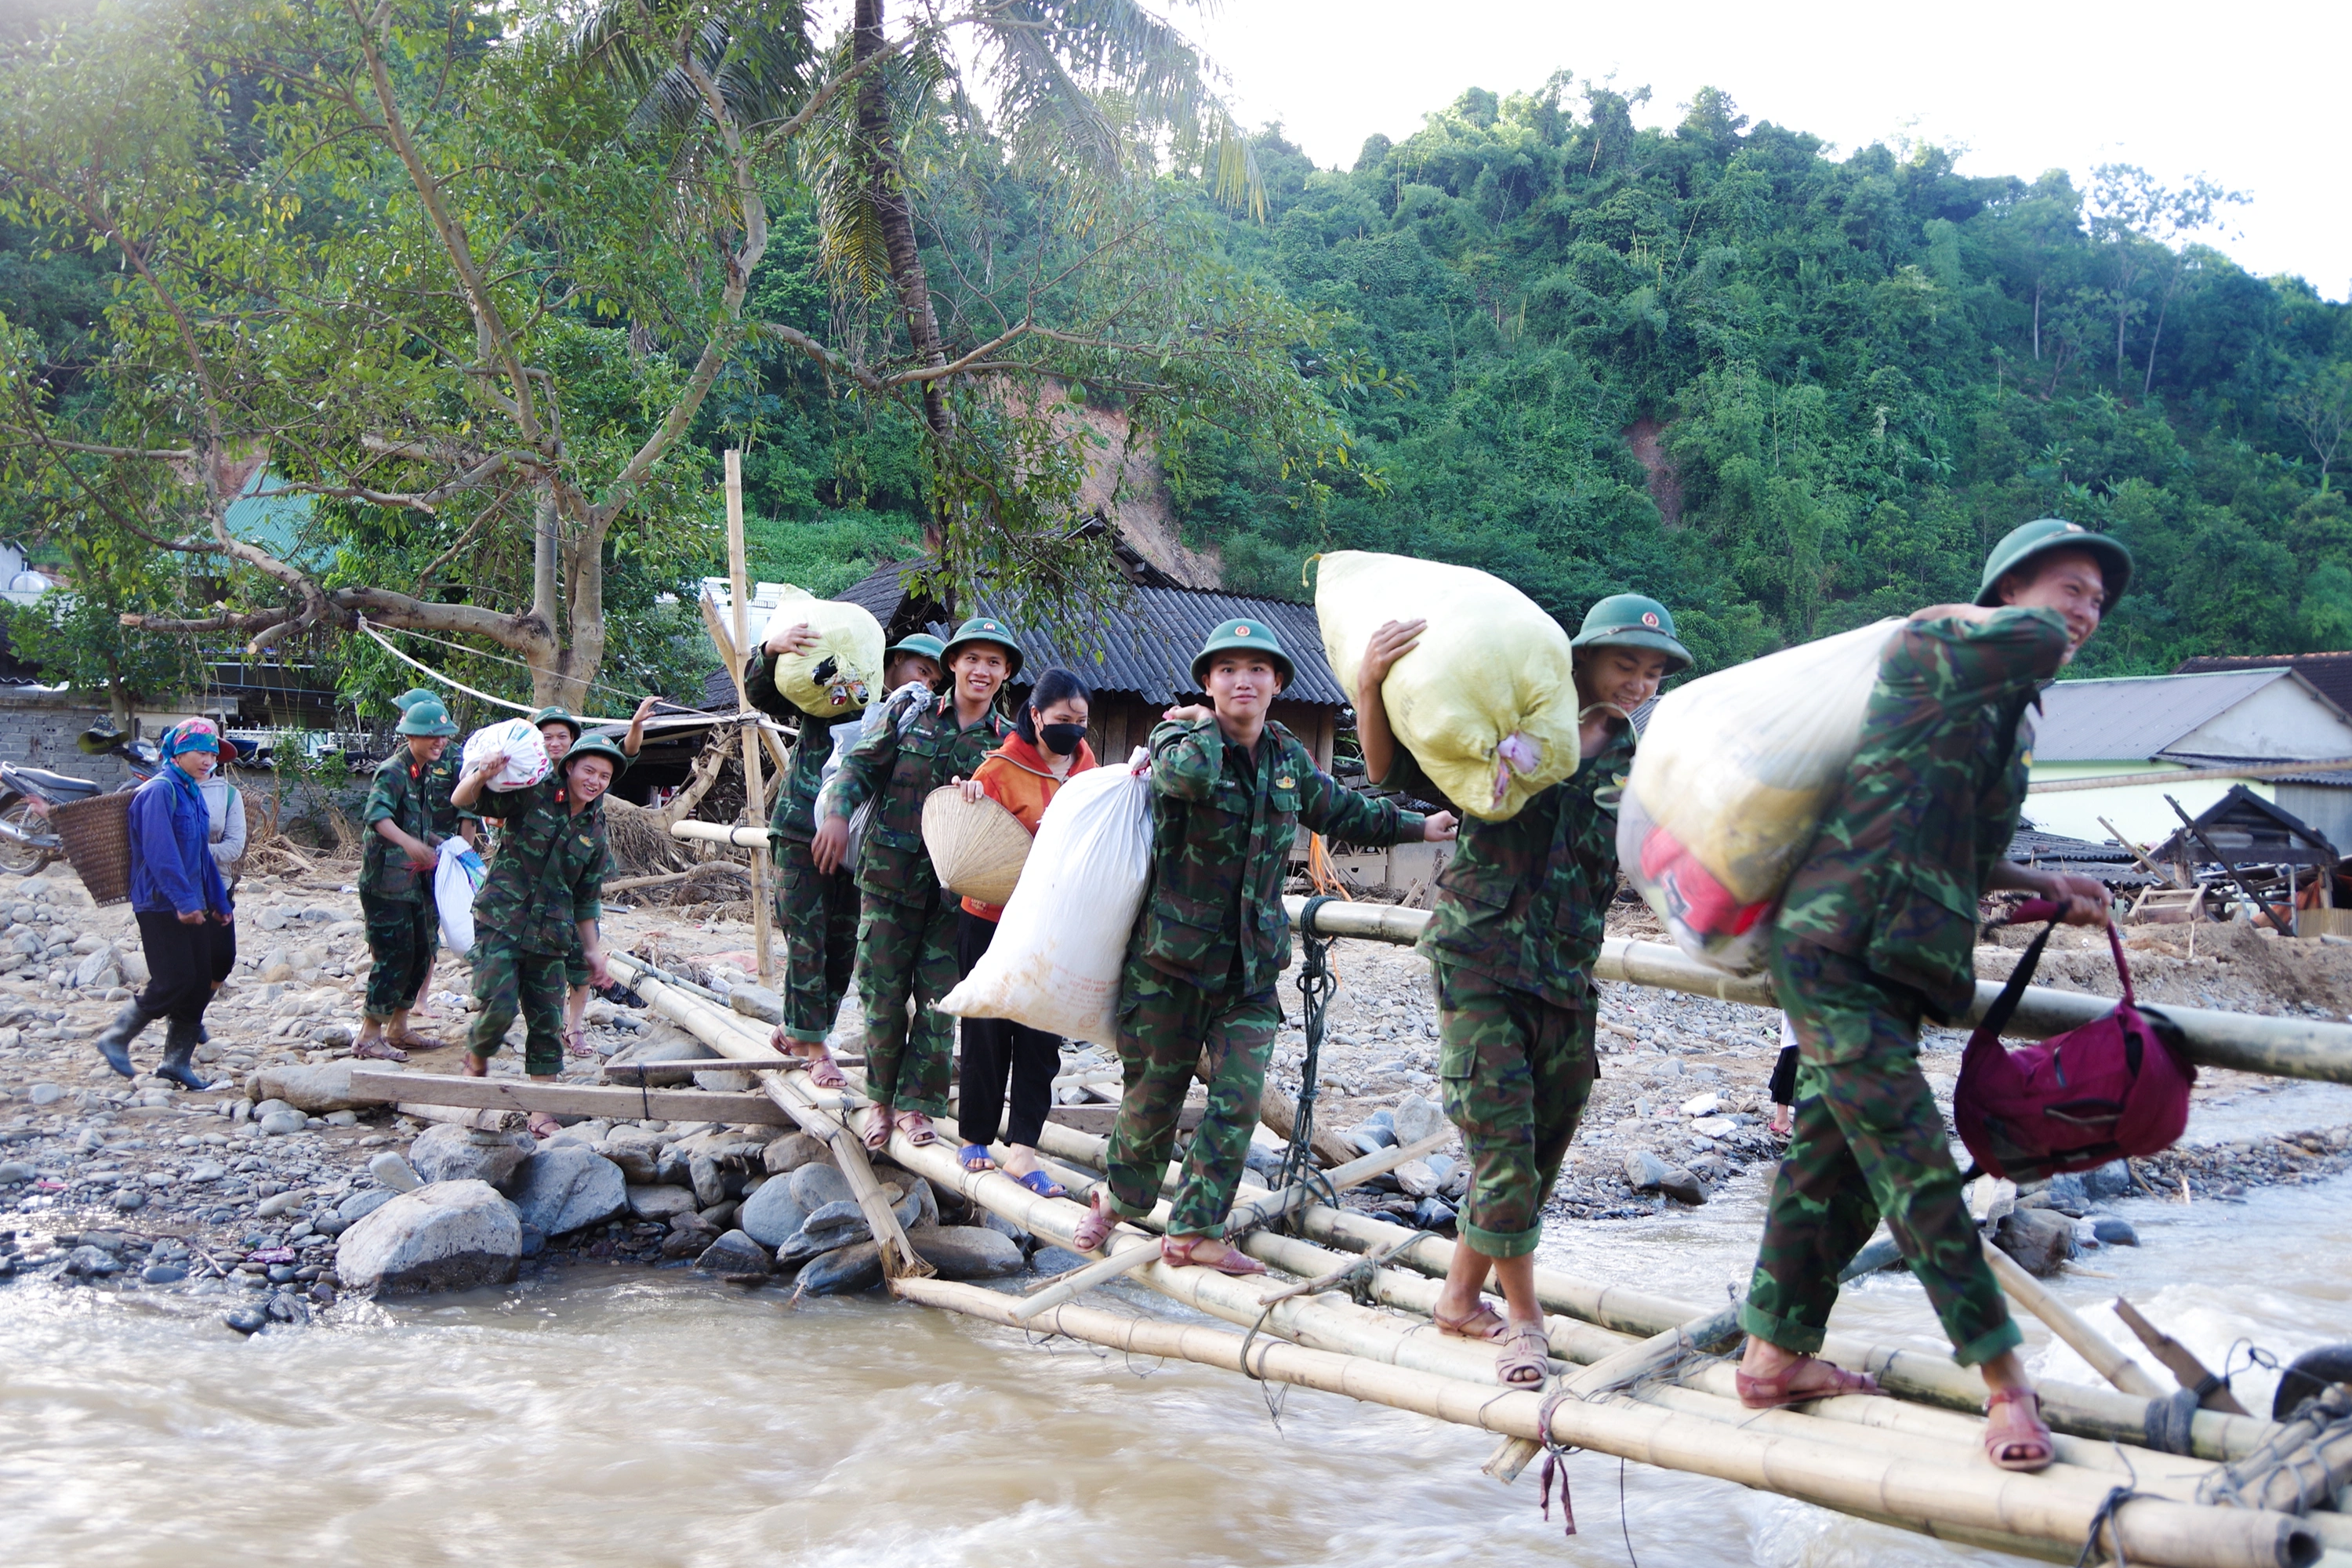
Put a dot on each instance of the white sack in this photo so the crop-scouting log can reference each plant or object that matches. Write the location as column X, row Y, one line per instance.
column 455, row 879
column 1056, row 960
column 526, row 751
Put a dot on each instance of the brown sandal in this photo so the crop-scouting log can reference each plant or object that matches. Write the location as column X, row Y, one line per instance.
column 1095, row 1228
column 823, row 1071
column 1525, row 1357
column 916, row 1127
column 1484, row 1323
column 379, row 1050
column 1773, row 1392
column 477, row 1066
column 543, row 1125
column 2013, row 1422
column 878, row 1131
column 1176, row 1251
column 576, row 1043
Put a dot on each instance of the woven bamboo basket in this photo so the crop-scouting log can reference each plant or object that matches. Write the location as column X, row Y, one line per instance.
column 977, row 847
column 97, row 834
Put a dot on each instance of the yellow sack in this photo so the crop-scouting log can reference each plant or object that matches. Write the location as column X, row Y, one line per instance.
column 843, row 670
column 1490, row 666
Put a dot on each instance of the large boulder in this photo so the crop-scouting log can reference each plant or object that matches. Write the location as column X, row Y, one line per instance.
column 1646, row 1172
column 445, row 1236
column 813, row 1186
column 659, row 1203
column 567, row 1188
column 2039, row 1238
column 966, row 1251
column 735, row 1256
column 790, row 1153
column 844, row 1271
column 771, row 1215
column 315, row 1087
column 446, row 1152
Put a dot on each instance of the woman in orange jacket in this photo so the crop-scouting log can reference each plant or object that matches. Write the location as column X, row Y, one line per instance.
column 1047, row 746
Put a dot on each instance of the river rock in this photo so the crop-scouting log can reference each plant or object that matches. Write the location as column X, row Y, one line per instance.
column 1416, row 1118
column 708, row 1180
column 755, row 1001
column 2068, row 1194
column 736, row 1256
column 659, row 1203
column 788, row 1153
column 447, row 1152
column 813, row 1186
column 1646, row 1172
column 246, row 1320
column 921, row 1206
column 45, row 1094
column 2109, row 1231
column 674, row 1045
column 1416, row 1178
column 271, row 1208
column 92, row 1261
column 281, row 1124
column 771, row 1215
column 724, row 1080
column 360, row 1204
column 94, row 969
column 638, row 1163
column 14, row 1170
column 966, row 1251
column 2112, row 1180
column 562, row 1190
column 161, row 1274
column 444, row 1236
column 844, row 1271
column 2039, row 1238
column 394, row 1173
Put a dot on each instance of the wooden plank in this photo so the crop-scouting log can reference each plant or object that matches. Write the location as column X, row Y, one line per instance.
column 569, row 1099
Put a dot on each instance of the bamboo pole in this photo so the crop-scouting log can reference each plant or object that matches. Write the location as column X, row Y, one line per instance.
column 754, row 796
column 720, row 833
column 2243, row 1042
column 2111, row 1362
column 2057, row 1510
column 725, row 1033
column 2181, row 1361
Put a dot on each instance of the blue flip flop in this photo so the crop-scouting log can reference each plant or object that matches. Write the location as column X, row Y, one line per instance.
column 965, row 1155
column 1043, row 1185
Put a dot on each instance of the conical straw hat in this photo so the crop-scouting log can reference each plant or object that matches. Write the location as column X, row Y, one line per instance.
column 977, row 846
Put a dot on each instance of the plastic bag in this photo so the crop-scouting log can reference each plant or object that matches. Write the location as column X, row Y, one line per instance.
column 1490, row 666
column 1730, row 783
column 526, row 751
column 844, row 736
column 1055, row 962
column 455, row 879
column 842, row 672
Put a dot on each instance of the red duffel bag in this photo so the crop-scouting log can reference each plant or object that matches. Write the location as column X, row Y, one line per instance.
column 2111, row 1089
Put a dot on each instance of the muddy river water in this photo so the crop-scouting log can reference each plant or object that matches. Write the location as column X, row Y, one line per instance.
column 612, row 1417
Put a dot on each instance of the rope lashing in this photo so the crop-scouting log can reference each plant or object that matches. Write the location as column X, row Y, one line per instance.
column 1316, row 985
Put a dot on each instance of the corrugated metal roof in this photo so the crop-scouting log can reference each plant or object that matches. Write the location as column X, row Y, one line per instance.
column 2110, row 862
column 2135, row 717
column 1143, row 644
column 2330, row 672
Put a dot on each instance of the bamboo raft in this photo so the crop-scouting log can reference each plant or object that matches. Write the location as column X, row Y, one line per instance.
column 2140, row 1476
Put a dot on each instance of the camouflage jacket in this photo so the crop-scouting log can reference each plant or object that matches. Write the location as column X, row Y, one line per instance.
column 1931, row 802
column 412, row 796
column 1222, row 829
column 1523, row 901
column 549, row 872
column 901, row 768
column 795, row 813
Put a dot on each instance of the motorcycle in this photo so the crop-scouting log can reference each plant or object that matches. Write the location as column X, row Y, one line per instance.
column 28, row 844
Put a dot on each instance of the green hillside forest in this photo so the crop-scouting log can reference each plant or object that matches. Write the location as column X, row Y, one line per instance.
column 1785, row 388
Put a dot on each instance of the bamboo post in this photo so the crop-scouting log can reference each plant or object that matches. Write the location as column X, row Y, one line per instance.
column 1935, row 1497
column 754, row 794
column 2089, row 1343
column 2212, row 1393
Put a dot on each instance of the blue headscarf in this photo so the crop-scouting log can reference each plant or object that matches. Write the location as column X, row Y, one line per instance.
column 188, row 735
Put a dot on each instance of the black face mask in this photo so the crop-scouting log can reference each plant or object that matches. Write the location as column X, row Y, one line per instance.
column 1062, row 739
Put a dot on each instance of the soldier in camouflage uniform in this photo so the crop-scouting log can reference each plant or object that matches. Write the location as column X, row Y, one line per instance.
column 1229, row 790
column 560, row 729
column 440, row 777
column 1517, row 925
column 1876, row 930
column 906, row 926
column 818, row 910
column 406, row 821
column 543, row 898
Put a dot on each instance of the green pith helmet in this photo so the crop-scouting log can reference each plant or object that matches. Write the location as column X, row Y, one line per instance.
column 555, row 713
column 922, row 644
column 2044, row 535
column 600, row 745
column 982, row 629
column 413, row 696
column 1630, row 620
column 1254, row 637
column 427, row 717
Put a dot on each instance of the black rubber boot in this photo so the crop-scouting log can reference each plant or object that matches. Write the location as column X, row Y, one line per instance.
column 113, row 1042
column 179, row 1045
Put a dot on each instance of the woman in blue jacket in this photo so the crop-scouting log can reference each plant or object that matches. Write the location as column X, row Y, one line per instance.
column 185, row 922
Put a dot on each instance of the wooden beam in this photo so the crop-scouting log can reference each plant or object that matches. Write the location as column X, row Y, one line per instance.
column 571, row 1098
column 755, row 797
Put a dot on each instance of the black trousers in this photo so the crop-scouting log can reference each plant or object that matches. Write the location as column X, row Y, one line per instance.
column 184, row 964
column 999, row 1053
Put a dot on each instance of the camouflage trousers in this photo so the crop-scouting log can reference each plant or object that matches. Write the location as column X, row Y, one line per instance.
column 1868, row 1141
column 907, row 952
column 1166, row 1025
column 819, row 916
column 402, row 940
column 507, row 980
column 1517, row 1071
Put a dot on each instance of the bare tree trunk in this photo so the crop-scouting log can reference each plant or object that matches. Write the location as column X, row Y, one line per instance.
column 878, row 149
column 2037, row 320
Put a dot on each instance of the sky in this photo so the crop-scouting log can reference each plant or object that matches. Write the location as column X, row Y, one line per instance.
column 2249, row 98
